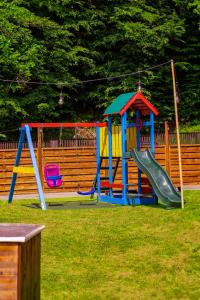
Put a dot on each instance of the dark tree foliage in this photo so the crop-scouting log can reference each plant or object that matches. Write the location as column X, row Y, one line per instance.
column 68, row 41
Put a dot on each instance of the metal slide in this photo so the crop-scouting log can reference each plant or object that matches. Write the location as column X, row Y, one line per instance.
column 159, row 179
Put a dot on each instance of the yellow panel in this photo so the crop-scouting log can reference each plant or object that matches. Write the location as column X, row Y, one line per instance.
column 103, row 141
column 106, row 142
column 131, row 138
column 120, row 141
column 116, row 140
column 24, row 170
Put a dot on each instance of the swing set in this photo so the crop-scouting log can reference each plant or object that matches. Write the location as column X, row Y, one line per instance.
column 51, row 171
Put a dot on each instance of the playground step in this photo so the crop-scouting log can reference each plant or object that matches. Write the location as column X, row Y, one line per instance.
column 112, row 185
column 116, row 161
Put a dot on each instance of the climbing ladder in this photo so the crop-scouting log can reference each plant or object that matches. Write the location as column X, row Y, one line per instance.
column 104, row 178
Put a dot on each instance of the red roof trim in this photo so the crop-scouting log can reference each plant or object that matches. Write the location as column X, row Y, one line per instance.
column 139, row 96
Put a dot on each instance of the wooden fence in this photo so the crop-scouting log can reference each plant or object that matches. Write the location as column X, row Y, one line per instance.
column 188, row 138
column 185, row 138
column 53, row 144
column 79, row 167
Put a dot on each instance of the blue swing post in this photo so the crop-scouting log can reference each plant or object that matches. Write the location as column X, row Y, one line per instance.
column 25, row 131
column 34, row 163
column 17, row 162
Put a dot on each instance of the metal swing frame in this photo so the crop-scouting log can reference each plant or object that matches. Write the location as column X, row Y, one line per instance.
column 25, row 132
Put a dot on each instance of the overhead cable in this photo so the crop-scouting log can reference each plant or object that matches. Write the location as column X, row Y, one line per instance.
column 78, row 82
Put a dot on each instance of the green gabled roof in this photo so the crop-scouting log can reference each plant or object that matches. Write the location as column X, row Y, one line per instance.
column 116, row 106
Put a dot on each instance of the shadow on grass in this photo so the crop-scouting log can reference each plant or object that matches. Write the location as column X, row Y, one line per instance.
column 72, row 205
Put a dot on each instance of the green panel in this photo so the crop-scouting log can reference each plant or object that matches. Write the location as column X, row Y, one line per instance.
column 116, row 106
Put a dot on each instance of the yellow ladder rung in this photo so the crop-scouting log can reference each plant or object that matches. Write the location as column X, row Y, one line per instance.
column 24, row 170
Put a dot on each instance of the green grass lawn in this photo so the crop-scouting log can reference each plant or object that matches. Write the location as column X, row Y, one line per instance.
column 143, row 252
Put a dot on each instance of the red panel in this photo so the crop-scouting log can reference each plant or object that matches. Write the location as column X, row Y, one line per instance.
column 136, row 97
column 145, row 181
column 68, row 125
column 146, row 190
column 112, row 185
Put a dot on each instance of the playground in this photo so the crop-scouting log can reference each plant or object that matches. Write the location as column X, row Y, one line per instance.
column 99, row 150
column 115, row 145
column 116, row 253
column 123, row 238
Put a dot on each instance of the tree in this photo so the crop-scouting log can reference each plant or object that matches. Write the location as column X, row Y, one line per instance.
column 62, row 43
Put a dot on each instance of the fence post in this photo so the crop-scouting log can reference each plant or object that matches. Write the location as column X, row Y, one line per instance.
column 167, row 148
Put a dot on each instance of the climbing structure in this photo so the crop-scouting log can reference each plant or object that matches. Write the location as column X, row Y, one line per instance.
column 116, row 142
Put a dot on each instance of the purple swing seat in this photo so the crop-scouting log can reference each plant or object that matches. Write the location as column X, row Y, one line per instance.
column 52, row 175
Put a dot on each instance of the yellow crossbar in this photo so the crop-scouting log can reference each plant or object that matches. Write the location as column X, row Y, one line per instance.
column 23, row 170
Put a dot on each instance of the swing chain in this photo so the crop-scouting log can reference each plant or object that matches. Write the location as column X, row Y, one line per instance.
column 60, row 136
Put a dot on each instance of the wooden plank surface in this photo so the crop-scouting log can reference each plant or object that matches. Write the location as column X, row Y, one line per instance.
column 29, row 269
column 79, row 166
column 8, row 271
column 20, row 269
column 18, row 232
